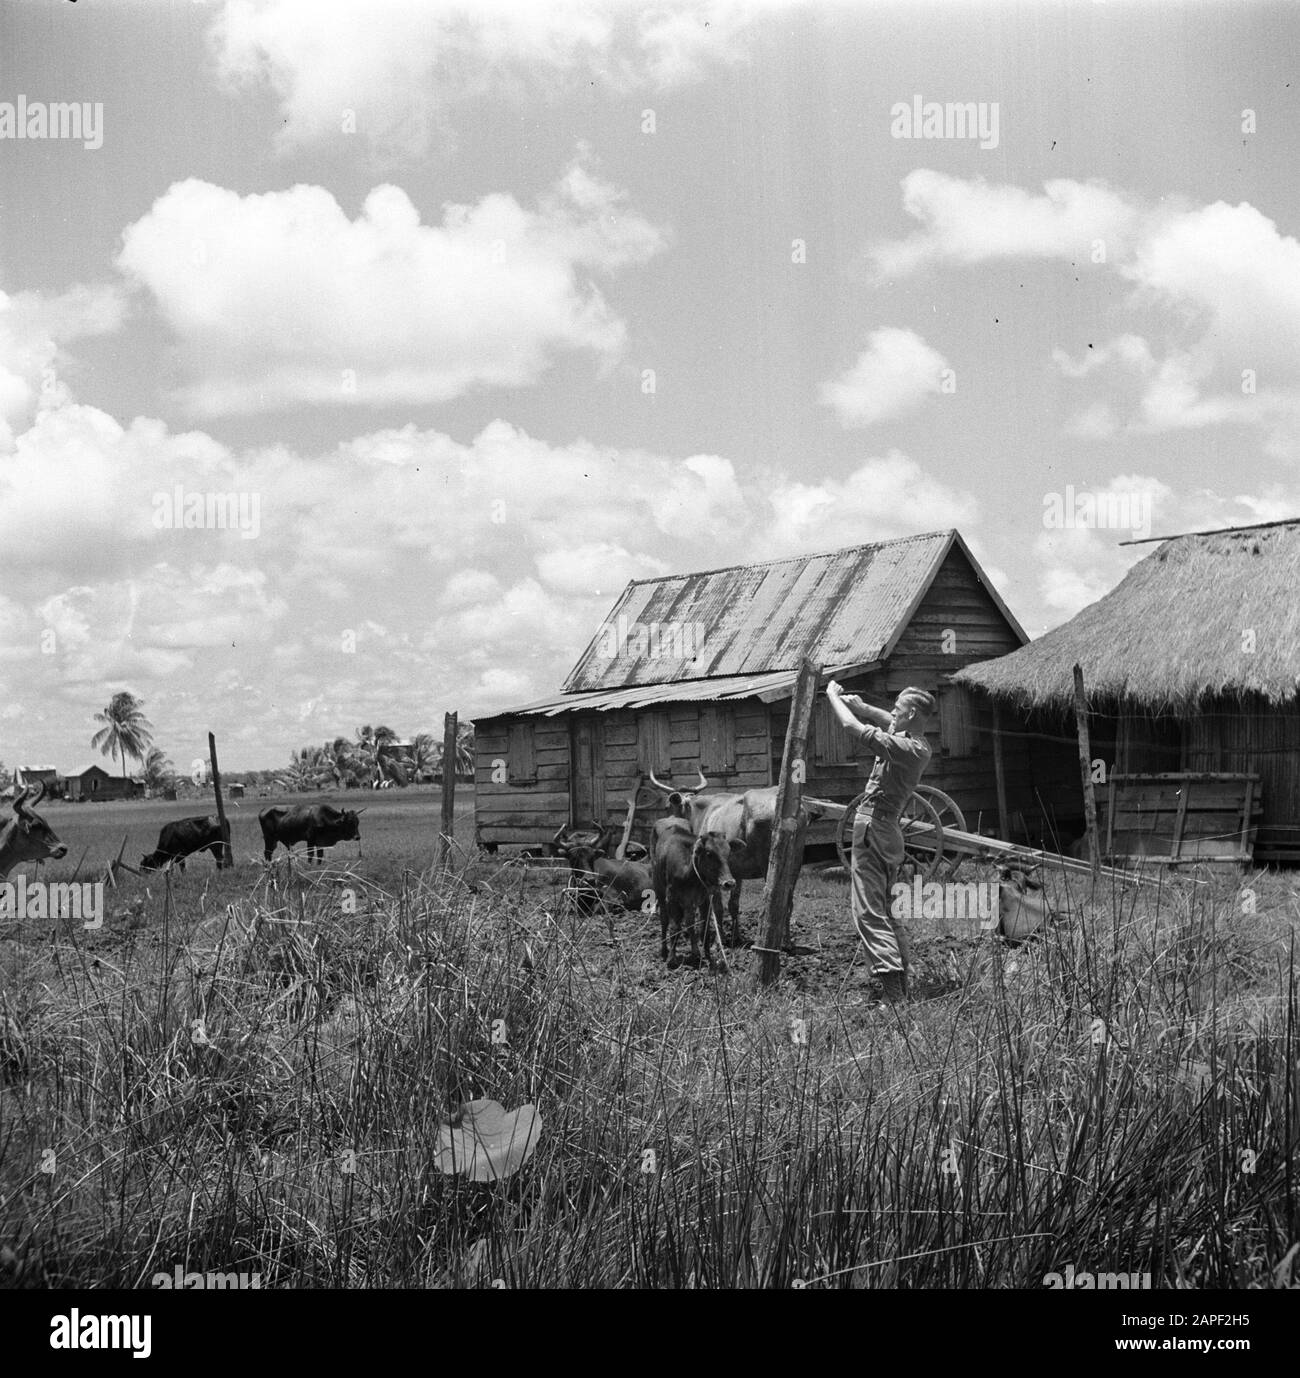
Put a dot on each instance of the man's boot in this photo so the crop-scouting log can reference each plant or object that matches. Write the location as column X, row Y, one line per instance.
column 893, row 988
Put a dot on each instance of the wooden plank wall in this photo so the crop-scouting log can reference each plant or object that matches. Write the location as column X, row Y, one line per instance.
column 507, row 812
column 1253, row 737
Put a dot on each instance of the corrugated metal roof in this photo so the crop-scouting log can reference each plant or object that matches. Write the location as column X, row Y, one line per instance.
column 750, row 620
column 777, row 685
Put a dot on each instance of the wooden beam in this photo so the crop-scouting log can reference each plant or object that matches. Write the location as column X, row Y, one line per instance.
column 788, row 826
column 442, row 849
column 1085, row 772
column 226, row 858
column 1000, row 775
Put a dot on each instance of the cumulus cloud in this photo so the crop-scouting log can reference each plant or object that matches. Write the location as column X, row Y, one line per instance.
column 882, row 498
column 972, row 221
column 1223, row 281
column 388, row 72
column 35, row 327
column 280, row 299
column 892, row 375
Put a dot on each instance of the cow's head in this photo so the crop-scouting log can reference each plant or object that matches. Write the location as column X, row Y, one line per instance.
column 349, row 825
column 710, row 861
column 679, row 801
column 29, row 837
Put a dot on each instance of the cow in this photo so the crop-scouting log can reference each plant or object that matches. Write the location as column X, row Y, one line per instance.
column 178, row 840
column 318, row 825
column 687, row 869
column 744, row 820
column 27, row 836
column 594, row 875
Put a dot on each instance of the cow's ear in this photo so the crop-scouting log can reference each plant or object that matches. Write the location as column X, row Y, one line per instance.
column 737, row 846
column 598, row 852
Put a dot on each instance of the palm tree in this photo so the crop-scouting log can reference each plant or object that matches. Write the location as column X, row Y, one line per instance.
column 306, row 770
column 425, row 755
column 465, row 748
column 125, row 731
column 341, row 761
column 159, row 770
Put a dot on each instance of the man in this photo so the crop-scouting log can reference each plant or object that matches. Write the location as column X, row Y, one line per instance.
column 897, row 741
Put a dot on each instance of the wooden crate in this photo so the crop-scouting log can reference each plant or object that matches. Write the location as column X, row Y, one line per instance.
column 1184, row 816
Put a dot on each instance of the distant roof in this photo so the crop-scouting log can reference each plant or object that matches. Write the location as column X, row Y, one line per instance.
column 1205, row 615
column 847, row 607
column 81, row 770
column 33, row 770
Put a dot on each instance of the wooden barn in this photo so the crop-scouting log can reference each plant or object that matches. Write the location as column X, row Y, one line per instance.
column 1191, row 667
column 696, row 671
column 93, row 782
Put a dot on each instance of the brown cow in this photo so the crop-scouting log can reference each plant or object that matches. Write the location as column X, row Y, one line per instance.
column 686, row 871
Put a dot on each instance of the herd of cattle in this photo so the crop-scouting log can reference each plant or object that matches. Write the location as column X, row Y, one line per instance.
column 697, row 858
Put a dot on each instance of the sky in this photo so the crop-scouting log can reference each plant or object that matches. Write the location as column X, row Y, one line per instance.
column 354, row 357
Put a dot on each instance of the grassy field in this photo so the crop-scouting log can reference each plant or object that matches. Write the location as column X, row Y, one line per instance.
column 249, row 1072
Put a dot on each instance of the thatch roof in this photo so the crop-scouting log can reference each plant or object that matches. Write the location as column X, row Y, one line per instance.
column 1175, row 632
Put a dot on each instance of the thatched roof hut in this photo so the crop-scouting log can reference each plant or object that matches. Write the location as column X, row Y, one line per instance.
column 1204, row 617
column 1192, row 663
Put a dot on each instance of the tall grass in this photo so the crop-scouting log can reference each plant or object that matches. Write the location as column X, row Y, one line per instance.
column 260, row 1090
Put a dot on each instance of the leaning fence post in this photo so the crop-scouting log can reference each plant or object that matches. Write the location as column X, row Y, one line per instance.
column 1085, row 771
column 788, row 827
column 442, row 850
column 226, row 859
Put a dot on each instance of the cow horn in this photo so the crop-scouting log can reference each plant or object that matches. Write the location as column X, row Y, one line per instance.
column 27, row 799
column 659, row 784
column 359, row 812
column 703, row 781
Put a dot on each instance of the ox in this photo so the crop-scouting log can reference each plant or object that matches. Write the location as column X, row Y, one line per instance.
column 27, row 836
column 318, row 825
column 595, row 876
column 687, row 870
column 180, row 839
column 744, row 820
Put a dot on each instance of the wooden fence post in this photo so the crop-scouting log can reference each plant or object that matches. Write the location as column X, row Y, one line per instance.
column 442, row 852
column 1000, row 776
column 788, row 828
column 1085, row 773
column 227, row 857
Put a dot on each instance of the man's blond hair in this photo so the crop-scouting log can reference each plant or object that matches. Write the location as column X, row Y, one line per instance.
column 919, row 701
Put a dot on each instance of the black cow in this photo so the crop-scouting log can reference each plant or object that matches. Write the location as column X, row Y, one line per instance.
column 686, row 870
column 178, row 840
column 318, row 825
column 593, row 876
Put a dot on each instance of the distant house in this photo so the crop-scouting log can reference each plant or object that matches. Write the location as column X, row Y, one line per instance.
column 696, row 671
column 25, row 776
column 95, row 783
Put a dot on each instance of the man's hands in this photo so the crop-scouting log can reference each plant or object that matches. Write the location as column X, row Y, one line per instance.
column 835, row 690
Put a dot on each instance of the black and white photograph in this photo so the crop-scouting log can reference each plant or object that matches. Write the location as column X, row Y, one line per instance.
column 650, row 645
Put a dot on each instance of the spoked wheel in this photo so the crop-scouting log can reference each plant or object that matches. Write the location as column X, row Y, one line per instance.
column 922, row 827
column 953, row 820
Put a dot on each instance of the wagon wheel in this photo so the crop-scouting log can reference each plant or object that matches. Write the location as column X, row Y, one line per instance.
column 953, row 820
column 923, row 852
